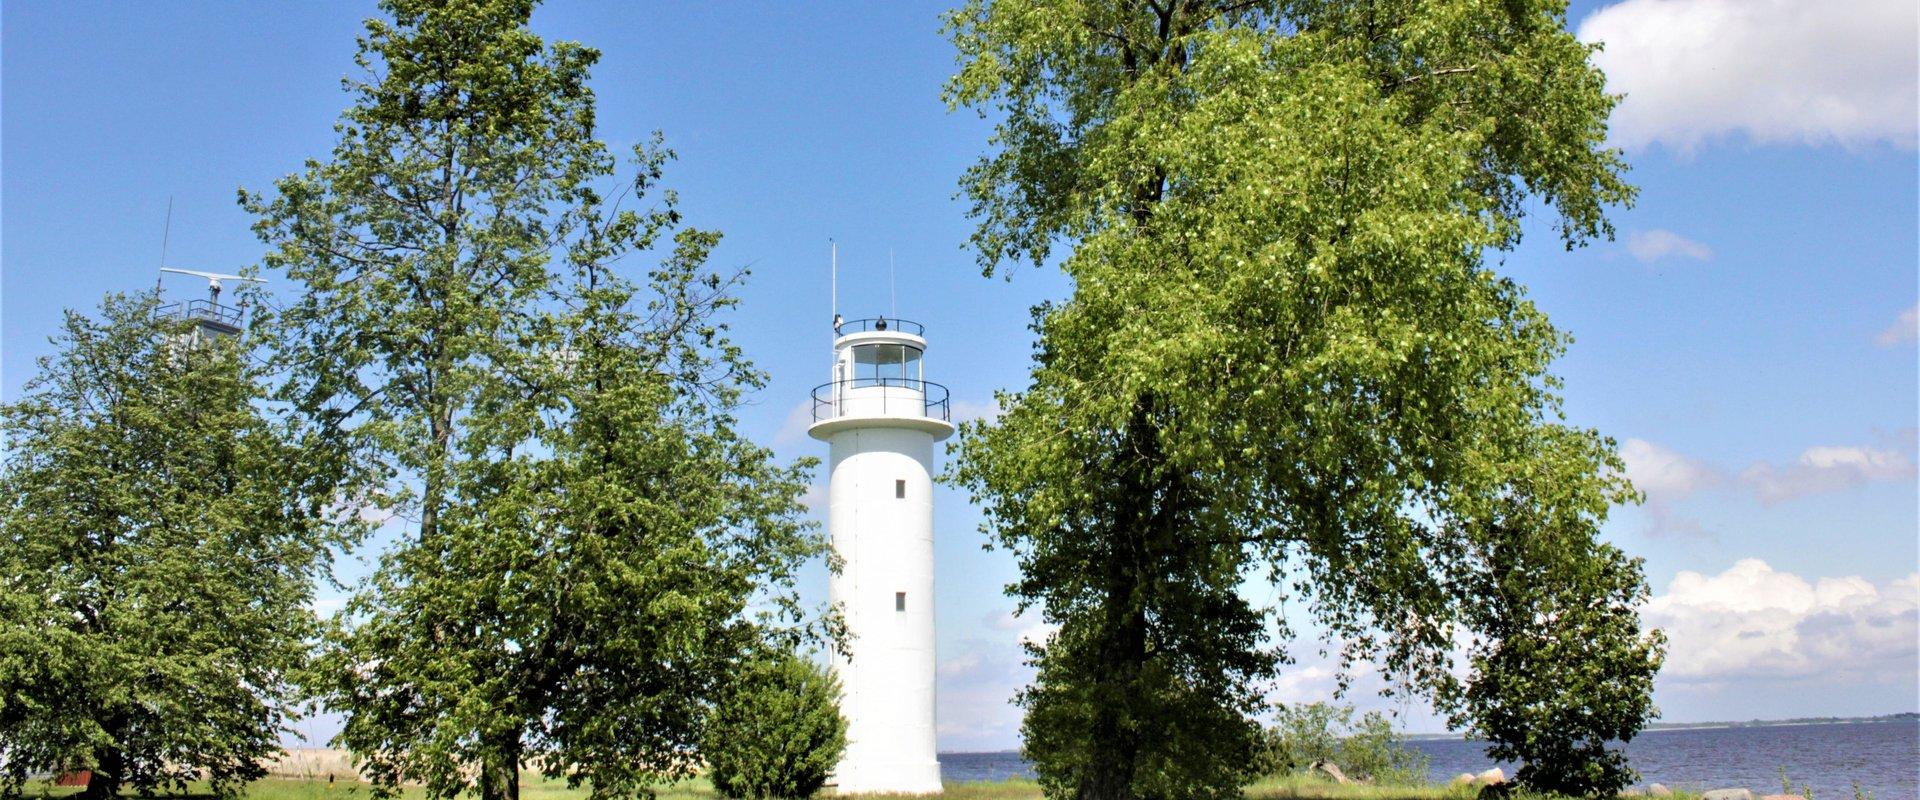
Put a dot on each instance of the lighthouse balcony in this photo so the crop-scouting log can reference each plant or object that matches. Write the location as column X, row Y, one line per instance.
column 910, row 398
column 879, row 325
column 221, row 319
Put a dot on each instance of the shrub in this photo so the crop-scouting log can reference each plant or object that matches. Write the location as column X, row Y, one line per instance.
column 1366, row 750
column 1302, row 734
column 777, row 732
column 1374, row 751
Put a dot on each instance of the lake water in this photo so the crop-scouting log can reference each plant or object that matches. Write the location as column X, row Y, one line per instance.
column 1884, row 757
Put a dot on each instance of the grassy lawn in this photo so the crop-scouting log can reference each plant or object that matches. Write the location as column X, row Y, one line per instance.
column 535, row 788
column 1308, row 788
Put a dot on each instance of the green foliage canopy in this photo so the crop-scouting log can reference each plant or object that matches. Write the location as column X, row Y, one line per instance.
column 1284, row 354
column 777, row 731
column 591, row 545
column 160, row 535
column 1561, row 669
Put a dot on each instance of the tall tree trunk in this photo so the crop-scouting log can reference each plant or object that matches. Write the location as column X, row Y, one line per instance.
column 1115, row 742
column 108, row 773
column 500, row 769
column 1115, row 738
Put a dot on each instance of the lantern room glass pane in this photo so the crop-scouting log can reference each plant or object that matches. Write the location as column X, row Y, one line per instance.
column 885, row 364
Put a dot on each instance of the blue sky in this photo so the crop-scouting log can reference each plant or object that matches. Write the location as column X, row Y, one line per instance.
column 1749, row 338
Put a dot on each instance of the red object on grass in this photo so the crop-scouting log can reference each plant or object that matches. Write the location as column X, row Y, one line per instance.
column 74, row 779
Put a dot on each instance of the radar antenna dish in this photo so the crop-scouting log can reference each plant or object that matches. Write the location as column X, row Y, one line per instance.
column 213, row 280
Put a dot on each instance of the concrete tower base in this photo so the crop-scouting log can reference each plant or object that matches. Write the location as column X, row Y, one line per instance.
column 897, row 777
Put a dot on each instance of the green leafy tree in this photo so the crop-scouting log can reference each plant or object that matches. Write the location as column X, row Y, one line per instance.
column 777, row 732
column 160, row 536
column 1285, row 355
column 1302, row 734
column 1560, row 670
column 590, row 546
column 1374, row 751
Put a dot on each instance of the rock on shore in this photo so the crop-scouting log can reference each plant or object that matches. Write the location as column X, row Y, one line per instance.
column 1331, row 770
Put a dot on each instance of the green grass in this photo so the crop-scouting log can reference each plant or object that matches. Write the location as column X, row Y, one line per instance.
column 1310, row 788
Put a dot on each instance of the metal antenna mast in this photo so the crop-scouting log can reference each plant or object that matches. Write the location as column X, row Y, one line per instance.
column 833, row 280
column 893, row 296
column 166, row 233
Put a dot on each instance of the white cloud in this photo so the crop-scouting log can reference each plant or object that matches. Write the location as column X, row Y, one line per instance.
column 970, row 410
column 1026, row 629
column 1826, row 469
column 794, row 428
column 1308, row 684
column 962, row 666
column 1656, row 244
column 1752, row 622
column 814, row 498
column 327, row 606
column 1664, row 522
column 1778, row 71
column 1904, row 330
column 977, row 684
column 1667, row 478
column 1664, row 474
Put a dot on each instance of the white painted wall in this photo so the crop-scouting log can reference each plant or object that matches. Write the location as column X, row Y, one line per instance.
column 887, row 542
column 880, row 519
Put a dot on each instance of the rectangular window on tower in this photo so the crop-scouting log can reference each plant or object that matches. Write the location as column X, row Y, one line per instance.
column 899, row 601
column 900, row 490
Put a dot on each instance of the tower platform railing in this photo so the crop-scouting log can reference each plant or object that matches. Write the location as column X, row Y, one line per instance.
column 205, row 311
column 879, row 324
column 882, row 396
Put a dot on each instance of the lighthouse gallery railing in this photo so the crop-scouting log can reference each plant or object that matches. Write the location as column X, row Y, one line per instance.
column 202, row 310
column 876, row 324
column 927, row 398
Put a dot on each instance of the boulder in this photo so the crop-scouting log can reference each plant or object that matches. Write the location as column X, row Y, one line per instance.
column 1633, row 791
column 1659, row 790
column 1781, row 797
column 1331, row 770
column 1461, row 779
column 1490, row 777
column 1727, row 794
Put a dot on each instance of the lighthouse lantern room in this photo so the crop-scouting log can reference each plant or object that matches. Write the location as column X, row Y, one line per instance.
column 880, row 417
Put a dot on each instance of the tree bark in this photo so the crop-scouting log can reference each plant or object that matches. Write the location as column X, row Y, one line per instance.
column 1115, row 744
column 500, row 770
column 107, row 775
column 1115, row 739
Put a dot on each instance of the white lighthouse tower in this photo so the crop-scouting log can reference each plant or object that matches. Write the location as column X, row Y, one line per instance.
column 881, row 418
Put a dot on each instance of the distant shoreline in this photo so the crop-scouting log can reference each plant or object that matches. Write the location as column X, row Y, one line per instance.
column 1905, row 716
column 1781, row 723
column 1658, row 727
